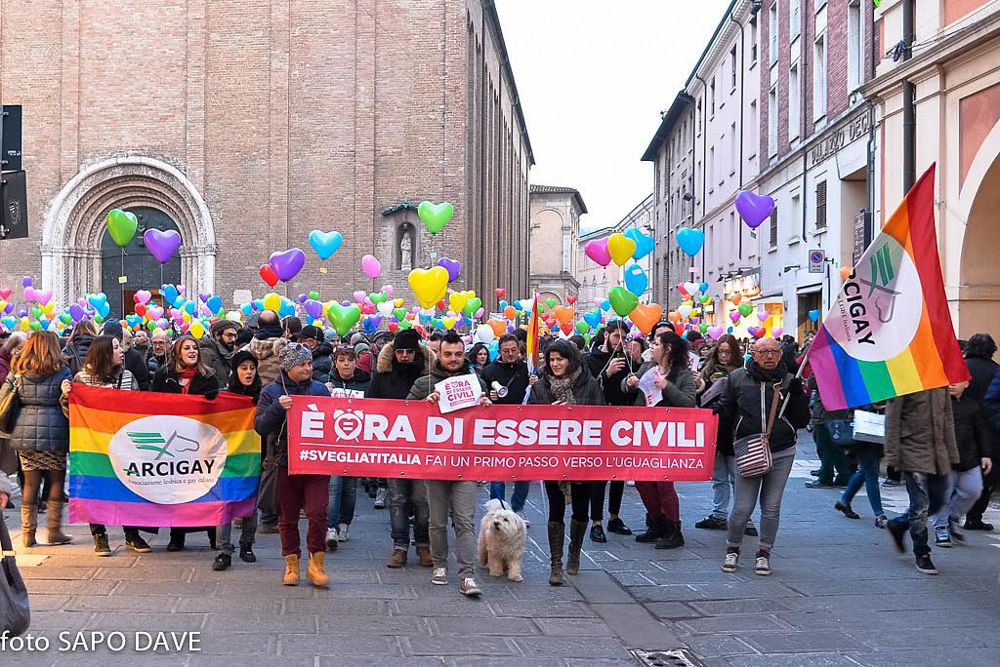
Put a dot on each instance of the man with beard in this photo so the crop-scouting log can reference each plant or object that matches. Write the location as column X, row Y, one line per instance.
column 312, row 337
column 158, row 347
column 450, row 497
column 399, row 365
column 218, row 347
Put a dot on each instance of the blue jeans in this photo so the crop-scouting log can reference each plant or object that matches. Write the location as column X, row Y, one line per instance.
column 499, row 490
column 769, row 487
column 867, row 472
column 343, row 496
column 962, row 493
column 927, row 496
column 406, row 497
column 722, row 485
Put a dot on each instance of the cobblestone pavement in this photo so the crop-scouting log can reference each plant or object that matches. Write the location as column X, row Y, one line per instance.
column 839, row 595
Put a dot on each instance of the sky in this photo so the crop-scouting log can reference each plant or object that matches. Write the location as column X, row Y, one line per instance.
column 593, row 76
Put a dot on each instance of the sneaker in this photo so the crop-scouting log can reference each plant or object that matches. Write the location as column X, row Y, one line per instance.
column 343, row 532
column 977, row 524
column 955, row 530
column 846, row 510
column 762, row 566
column 597, row 534
column 889, row 483
column 712, row 523
column 897, row 531
column 941, row 537
column 750, row 530
column 440, row 576
column 617, row 526
column 175, row 546
column 730, row 563
column 101, row 546
column 814, row 473
column 222, row 562
column 881, row 521
column 380, row 499
column 527, row 524
column 247, row 555
column 819, row 484
column 137, row 544
column 925, row 565
column 397, row 559
column 469, row 588
column 332, row 539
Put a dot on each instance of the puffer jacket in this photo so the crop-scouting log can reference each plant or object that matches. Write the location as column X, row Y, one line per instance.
column 266, row 350
column 681, row 392
column 269, row 421
column 586, row 390
column 740, row 406
column 358, row 383
column 40, row 424
column 394, row 381
column 512, row 376
column 974, row 434
column 920, row 433
column 323, row 363
column 424, row 385
column 76, row 352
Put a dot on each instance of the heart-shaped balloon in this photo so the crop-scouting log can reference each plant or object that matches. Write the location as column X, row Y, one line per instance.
column 429, row 285
column 472, row 306
column 6, row 293
column 197, row 329
column 29, row 293
column 122, row 226
column 287, row 263
column 452, row 266
column 814, row 315
column 593, row 318
column 435, row 216
column 643, row 244
column 98, row 300
column 745, row 309
column 385, row 308
column 598, row 251
column 735, row 316
column 161, row 244
column 500, row 292
column 343, row 318
column 571, row 300
column 582, row 327
column 645, row 316
column 621, row 248
column 753, row 208
column 690, row 240
column 371, row 266
column 715, row 332
column 214, row 303
column 510, row 312
column 777, row 331
column 325, row 243
column 268, row 275
column 636, row 280
column 684, row 310
column 272, row 302
column 564, row 314
column 623, row 301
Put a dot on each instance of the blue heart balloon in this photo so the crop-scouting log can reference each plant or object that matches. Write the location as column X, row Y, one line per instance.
column 703, row 287
column 325, row 243
column 98, row 300
column 246, row 308
column 605, row 305
column 814, row 315
column 104, row 309
column 503, row 304
column 169, row 293
column 636, row 280
column 287, row 309
column 190, row 307
column 643, row 244
column 593, row 318
column 258, row 304
column 214, row 303
column 690, row 240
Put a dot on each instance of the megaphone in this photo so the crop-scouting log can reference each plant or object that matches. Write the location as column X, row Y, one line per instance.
column 499, row 389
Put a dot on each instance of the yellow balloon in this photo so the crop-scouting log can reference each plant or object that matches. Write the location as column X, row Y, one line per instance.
column 197, row 329
column 457, row 301
column 398, row 303
column 621, row 248
column 273, row 302
column 429, row 285
column 25, row 324
column 448, row 322
column 186, row 317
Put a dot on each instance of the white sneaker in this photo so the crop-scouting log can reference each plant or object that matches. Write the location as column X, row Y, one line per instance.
column 343, row 532
column 332, row 538
column 730, row 562
column 440, row 576
column 762, row 566
column 527, row 524
column 468, row 587
column 380, row 499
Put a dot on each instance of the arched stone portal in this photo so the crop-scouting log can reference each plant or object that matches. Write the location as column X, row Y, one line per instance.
column 75, row 223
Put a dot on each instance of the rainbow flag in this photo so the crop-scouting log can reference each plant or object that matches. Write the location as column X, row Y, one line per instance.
column 145, row 459
column 889, row 333
column 531, row 346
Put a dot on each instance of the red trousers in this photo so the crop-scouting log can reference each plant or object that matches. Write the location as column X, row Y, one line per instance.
column 295, row 493
column 660, row 499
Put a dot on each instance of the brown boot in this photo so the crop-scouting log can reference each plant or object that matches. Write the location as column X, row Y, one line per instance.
column 397, row 558
column 556, row 540
column 424, row 557
column 577, row 529
column 54, row 520
column 29, row 524
column 316, row 572
column 291, row 577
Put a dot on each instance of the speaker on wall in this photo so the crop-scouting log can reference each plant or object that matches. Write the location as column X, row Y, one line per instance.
column 14, row 197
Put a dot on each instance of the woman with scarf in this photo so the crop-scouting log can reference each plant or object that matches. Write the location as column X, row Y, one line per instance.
column 186, row 373
column 479, row 357
column 566, row 382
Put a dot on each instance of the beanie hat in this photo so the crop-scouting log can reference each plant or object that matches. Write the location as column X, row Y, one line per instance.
column 221, row 325
column 112, row 328
column 313, row 332
column 240, row 357
column 360, row 348
column 407, row 339
column 292, row 355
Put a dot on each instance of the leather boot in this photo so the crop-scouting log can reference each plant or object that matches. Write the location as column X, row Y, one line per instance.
column 556, row 540
column 657, row 529
column 291, row 577
column 315, row 572
column 29, row 524
column 577, row 530
column 54, row 520
column 673, row 537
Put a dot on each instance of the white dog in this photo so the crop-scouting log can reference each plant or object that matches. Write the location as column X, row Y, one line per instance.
column 502, row 534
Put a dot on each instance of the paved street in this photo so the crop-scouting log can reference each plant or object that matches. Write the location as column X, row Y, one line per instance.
column 839, row 595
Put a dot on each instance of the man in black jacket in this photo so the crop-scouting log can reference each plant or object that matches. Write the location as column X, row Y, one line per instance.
column 399, row 365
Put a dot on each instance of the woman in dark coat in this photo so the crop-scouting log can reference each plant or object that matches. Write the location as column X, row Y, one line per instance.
column 186, row 373
column 566, row 382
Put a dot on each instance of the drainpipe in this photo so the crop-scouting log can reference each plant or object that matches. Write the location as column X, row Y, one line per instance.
column 909, row 103
column 740, row 139
column 704, row 163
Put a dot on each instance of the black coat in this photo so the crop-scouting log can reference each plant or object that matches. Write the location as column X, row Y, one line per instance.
column 358, row 382
column 166, row 382
column 586, row 391
column 393, row 380
column 975, row 436
column 513, row 376
column 76, row 352
column 597, row 361
column 740, row 406
column 323, row 363
column 135, row 363
column 40, row 424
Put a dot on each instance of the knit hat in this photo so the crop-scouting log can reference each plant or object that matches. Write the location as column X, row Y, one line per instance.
column 221, row 325
column 313, row 332
column 240, row 357
column 406, row 339
column 360, row 348
column 292, row 355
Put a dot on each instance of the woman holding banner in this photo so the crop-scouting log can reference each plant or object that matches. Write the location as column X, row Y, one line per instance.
column 566, row 382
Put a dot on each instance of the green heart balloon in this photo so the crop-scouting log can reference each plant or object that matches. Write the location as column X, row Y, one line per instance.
column 98, row 319
column 551, row 303
column 314, row 295
column 405, row 324
column 37, row 312
column 582, row 327
column 622, row 301
column 122, row 226
column 66, row 318
column 151, row 325
column 746, row 309
column 435, row 216
column 36, row 326
column 400, row 313
column 704, row 298
column 703, row 327
column 378, row 297
column 472, row 306
column 343, row 318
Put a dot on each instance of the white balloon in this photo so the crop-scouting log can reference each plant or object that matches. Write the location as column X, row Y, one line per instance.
column 485, row 334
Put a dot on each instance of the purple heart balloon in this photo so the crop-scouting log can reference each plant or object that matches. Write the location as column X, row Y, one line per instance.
column 452, row 266
column 376, row 320
column 162, row 245
column 204, row 297
column 303, row 298
column 76, row 312
column 287, row 264
column 753, row 208
column 314, row 308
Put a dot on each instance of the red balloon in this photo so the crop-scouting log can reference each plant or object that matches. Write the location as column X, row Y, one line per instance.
column 268, row 275
column 441, row 305
column 567, row 328
column 140, row 310
column 679, row 328
column 571, row 300
column 500, row 292
column 393, row 326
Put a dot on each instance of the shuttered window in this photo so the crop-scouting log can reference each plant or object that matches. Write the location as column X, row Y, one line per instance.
column 821, row 205
column 773, row 231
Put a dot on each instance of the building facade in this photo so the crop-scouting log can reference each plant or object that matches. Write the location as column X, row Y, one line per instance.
column 555, row 238
column 954, row 64
column 595, row 280
column 244, row 125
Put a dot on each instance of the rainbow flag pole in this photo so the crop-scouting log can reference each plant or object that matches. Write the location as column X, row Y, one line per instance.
column 531, row 347
column 889, row 332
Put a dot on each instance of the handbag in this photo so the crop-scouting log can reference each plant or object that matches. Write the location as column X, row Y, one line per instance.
column 841, row 432
column 10, row 404
column 15, row 612
column 753, row 452
column 869, row 427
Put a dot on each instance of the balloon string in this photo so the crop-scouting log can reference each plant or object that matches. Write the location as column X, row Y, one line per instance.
column 122, row 284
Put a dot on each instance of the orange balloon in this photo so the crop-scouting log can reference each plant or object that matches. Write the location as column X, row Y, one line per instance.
column 646, row 316
column 674, row 316
column 510, row 312
column 845, row 273
column 736, row 299
column 564, row 314
column 499, row 328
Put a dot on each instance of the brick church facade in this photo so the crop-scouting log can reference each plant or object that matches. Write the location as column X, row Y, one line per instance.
column 246, row 124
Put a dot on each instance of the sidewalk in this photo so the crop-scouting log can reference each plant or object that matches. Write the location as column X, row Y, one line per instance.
column 839, row 595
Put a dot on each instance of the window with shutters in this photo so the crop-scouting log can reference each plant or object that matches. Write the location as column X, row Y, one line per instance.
column 753, row 40
column 772, row 28
column 772, row 233
column 821, row 205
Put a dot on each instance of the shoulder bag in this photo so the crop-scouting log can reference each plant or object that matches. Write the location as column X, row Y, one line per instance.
column 10, row 404
column 841, row 432
column 15, row 612
column 753, row 452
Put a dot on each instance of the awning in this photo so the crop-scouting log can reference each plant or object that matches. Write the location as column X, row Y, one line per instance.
column 809, row 289
column 764, row 300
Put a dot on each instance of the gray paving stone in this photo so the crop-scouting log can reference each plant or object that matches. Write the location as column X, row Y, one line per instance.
column 952, row 656
column 748, row 606
column 147, row 621
column 506, row 627
column 671, row 610
column 718, row 646
column 155, row 587
column 374, row 648
column 385, row 626
column 457, row 645
column 816, row 641
column 573, row 627
column 737, row 624
column 215, row 643
column 49, row 602
column 635, row 626
column 821, row 659
column 456, row 606
column 236, row 621
column 571, row 647
column 70, row 573
column 86, row 587
column 536, row 609
column 338, row 607
column 229, row 604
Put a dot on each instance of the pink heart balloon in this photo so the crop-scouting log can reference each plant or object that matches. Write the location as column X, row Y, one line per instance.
column 359, row 296
column 371, row 266
column 29, row 293
column 43, row 296
column 143, row 296
column 598, row 251
column 715, row 332
column 777, row 331
column 735, row 316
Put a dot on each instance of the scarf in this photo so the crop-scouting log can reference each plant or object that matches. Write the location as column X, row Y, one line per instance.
column 562, row 387
column 186, row 374
column 760, row 374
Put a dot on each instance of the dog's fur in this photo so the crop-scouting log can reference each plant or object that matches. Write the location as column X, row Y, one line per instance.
column 502, row 534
